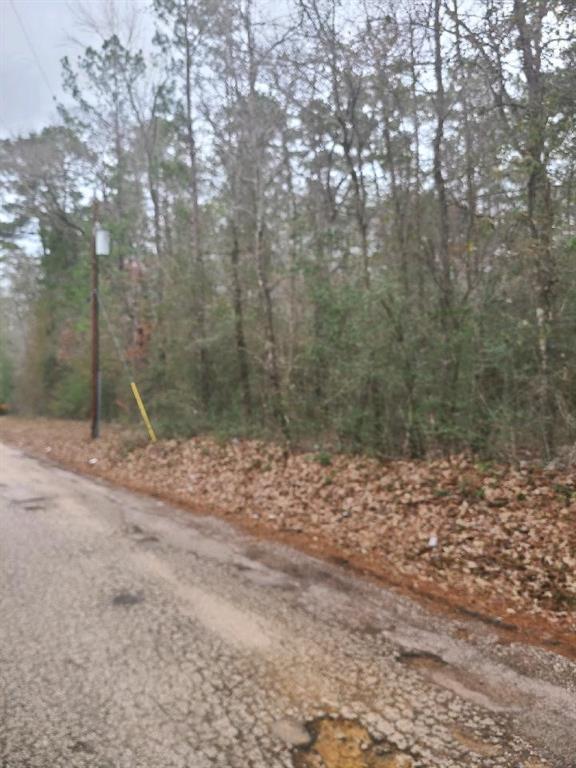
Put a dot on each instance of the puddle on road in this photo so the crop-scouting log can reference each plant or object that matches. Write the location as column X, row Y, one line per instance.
column 341, row 743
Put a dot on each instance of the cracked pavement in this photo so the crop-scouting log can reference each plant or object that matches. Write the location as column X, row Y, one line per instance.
column 136, row 635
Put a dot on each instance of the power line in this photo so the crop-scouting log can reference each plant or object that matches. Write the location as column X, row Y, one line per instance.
column 32, row 49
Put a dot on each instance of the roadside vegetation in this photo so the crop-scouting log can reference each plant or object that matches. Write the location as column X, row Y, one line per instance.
column 352, row 225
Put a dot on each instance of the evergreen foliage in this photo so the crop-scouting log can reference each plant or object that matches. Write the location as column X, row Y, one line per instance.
column 351, row 232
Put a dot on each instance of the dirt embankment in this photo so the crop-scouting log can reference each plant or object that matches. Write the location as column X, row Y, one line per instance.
column 484, row 539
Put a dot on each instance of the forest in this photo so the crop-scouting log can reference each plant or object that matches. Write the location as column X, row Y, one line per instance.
column 346, row 224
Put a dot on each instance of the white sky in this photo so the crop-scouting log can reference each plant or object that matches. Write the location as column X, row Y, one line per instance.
column 27, row 86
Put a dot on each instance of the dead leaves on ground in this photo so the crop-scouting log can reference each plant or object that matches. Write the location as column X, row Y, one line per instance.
column 491, row 530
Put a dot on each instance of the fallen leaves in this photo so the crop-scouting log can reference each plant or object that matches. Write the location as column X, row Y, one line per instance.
column 491, row 531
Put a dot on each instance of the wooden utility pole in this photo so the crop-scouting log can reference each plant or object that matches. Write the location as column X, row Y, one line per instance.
column 95, row 331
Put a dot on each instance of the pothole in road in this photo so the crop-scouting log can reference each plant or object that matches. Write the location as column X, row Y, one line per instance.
column 83, row 747
column 484, row 691
column 342, row 743
column 140, row 535
column 127, row 598
column 422, row 660
column 33, row 504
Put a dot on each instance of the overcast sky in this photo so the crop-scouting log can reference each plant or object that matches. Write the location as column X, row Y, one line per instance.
column 30, row 59
column 34, row 36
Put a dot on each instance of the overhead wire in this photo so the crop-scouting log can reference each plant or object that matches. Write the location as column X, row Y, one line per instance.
column 32, row 49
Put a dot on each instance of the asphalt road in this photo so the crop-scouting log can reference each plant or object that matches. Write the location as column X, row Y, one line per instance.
column 135, row 635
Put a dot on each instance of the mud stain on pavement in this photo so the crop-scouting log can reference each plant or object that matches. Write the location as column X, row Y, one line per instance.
column 342, row 743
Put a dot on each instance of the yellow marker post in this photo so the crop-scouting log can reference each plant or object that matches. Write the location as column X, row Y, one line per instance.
column 143, row 413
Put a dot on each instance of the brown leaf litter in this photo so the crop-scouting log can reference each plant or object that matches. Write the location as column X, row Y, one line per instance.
column 489, row 539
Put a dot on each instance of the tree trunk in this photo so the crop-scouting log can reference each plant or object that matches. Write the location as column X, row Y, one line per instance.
column 539, row 202
column 241, row 348
column 199, row 278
